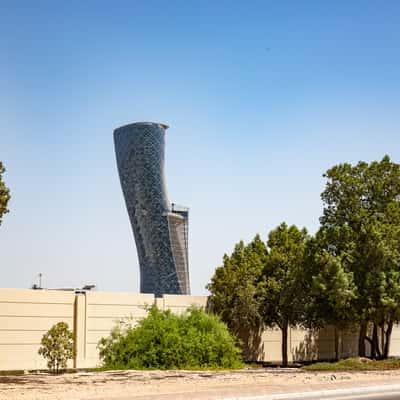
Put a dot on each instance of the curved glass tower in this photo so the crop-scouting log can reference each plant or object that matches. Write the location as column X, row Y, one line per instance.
column 160, row 228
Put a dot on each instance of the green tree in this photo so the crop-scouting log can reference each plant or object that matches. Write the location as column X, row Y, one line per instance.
column 4, row 193
column 331, row 290
column 57, row 347
column 233, row 291
column 380, row 249
column 164, row 340
column 361, row 223
column 281, row 288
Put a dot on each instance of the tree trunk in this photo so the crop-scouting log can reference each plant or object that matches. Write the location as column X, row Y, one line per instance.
column 285, row 329
column 374, row 342
column 340, row 343
column 361, row 339
column 336, row 344
column 382, row 339
column 387, row 340
column 377, row 345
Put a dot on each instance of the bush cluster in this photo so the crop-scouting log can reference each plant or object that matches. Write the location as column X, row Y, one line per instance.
column 162, row 340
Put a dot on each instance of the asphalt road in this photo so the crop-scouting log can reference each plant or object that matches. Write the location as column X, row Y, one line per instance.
column 193, row 396
column 375, row 396
column 367, row 393
column 348, row 394
column 383, row 392
column 387, row 396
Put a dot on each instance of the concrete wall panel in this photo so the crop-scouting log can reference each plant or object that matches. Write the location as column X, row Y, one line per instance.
column 104, row 310
column 36, row 296
column 180, row 303
column 115, row 311
column 39, row 310
column 394, row 349
column 28, row 323
column 271, row 345
column 25, row 315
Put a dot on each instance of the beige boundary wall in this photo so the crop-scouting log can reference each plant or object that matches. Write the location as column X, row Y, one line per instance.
column 25, row 315
column 98, row 312
column 308, row 345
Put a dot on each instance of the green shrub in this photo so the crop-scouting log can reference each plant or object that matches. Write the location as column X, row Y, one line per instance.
column 162, row 340
column 57, row 347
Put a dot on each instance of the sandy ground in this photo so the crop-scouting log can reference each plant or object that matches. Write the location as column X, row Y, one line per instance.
column 177, row 385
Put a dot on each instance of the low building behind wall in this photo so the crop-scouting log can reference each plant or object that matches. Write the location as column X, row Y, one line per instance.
column 25, row 315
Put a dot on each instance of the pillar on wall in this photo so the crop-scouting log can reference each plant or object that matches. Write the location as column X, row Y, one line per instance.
column 80, row 330
column 159, row 302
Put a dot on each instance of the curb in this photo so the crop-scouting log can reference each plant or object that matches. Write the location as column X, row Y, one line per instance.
column 366, row 390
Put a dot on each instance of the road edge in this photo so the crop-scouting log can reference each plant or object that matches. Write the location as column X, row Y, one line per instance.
column 364, row 390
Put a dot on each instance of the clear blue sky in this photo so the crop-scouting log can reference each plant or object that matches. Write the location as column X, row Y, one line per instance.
column 262, row 97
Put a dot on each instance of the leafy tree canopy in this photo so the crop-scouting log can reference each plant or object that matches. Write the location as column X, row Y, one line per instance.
column 348, row 273
column 281, row 288
column 233, row 291
column 331, row 289
column 361, row 225
column 4, row 193
column 57, row 347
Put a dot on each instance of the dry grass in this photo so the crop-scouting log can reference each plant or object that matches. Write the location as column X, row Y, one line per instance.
column 355, row 364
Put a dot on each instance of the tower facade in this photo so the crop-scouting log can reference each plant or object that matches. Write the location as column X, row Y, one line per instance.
column 160, row 228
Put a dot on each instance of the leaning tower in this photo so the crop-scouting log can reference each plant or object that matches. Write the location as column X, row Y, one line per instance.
column 160, row 228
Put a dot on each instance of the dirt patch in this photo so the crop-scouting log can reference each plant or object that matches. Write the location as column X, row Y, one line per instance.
column 19, row 380
column 176, row 385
